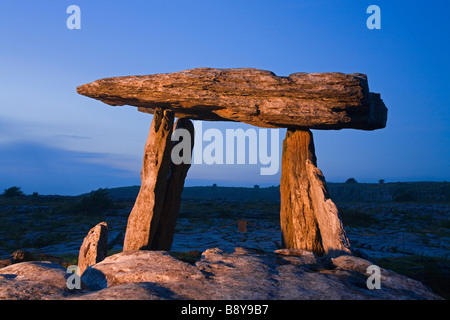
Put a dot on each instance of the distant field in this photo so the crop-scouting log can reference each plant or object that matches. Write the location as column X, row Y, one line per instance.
column 209, row 193
column 355, row 192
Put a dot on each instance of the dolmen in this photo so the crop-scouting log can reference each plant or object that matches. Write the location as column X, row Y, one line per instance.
column 299, row 102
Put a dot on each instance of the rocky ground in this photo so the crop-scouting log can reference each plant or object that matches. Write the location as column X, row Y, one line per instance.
column 400, row 229
column 377, row 230
column 217, row 275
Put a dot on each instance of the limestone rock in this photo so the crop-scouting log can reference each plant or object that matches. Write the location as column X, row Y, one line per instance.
column 144, row 218
column 147, row 266
column 94, row 247
column 32, row 281
column 5, row 263
column 22, row 256
column 244, row 275
column 257, row 97
column 172, row 200
column 130, row 291
column 309, row 218
column 290, row 274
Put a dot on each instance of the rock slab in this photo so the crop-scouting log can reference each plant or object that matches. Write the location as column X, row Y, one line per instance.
column 257, row 97
column 32, row 281
column 243, row 275
column 291, row 274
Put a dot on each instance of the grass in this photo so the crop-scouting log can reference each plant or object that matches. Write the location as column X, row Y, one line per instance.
column 433, row 272
column 356, row 218
column 50, row 217
column 68, row 260
column 190, row 257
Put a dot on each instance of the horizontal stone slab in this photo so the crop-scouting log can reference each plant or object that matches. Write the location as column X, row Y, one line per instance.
column 257, row 97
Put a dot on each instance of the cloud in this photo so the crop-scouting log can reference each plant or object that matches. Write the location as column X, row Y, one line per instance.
column 72, row 136
column 49, row 170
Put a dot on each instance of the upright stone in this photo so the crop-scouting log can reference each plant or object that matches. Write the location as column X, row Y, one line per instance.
column 144, row 218
column 94, row 247
column 172, row 201
column 309, row 218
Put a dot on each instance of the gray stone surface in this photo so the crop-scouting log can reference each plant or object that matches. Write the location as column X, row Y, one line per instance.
column 32, row 281
column 244, row 275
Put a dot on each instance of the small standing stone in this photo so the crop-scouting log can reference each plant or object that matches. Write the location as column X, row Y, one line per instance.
column 94, row 247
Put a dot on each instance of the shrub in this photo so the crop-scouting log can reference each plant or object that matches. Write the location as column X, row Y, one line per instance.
column 95, row 203
column 13, row 192
column 190, row 256
column 356, row 218
column 433, row 272
column 405, row 196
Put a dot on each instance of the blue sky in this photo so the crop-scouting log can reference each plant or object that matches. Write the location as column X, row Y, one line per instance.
column 53, row 140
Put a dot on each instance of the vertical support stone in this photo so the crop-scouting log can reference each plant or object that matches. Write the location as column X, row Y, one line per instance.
column 172, row 201
column 309, row 218
column 299, row 225
column 144, row 218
